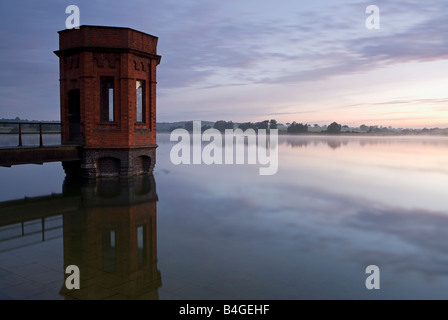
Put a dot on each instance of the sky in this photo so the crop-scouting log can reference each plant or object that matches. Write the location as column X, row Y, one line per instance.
column 251, row 60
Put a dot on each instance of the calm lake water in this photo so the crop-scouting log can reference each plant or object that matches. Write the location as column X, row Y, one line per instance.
column 335, row 206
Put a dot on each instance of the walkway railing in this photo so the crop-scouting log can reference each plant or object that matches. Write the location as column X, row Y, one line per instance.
column 48, row 227
column 29, row 127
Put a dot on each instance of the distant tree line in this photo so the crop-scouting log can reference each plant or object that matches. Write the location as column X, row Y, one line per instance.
column 266, row 124
column 333, row 128
column 297, row 128
column 304, row 128
column 292, row 128
column 222, row 125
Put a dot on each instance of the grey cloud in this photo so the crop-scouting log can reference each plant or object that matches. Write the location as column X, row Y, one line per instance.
column 205, row 47
column 425, row 231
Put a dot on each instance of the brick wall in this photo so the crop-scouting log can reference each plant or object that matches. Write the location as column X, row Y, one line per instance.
column 107, row 37
column 127, row 55
column 124, row 213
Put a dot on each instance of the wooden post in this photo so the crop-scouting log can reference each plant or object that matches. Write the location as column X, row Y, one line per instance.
column 40, row 135
column 43, row 229
column 20, row 134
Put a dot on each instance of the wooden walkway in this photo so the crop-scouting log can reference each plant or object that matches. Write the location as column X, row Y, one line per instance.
column 10, row 156
column 36, row 154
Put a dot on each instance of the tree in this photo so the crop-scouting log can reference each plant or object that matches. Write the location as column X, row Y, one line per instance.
column 205, row 127
column 263, row 124
column 364, row 128
column 188, row 126
column 222, row 125
column 172, row 128
column 334, row 128
column 273, row 124
column 297, row 128
column 247, row 125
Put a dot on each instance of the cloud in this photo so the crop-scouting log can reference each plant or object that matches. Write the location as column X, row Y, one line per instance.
column 316, row 45
column 227, row 44
column 421, row 230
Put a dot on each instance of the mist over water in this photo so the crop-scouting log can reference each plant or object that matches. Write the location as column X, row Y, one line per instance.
column 336, row 205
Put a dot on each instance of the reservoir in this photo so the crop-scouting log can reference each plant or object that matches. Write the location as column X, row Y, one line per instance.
column 336, row 205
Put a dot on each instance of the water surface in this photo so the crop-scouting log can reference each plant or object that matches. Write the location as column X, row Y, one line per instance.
column 335, row 206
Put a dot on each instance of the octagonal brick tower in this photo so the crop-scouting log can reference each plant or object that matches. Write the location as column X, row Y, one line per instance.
column 108, row 99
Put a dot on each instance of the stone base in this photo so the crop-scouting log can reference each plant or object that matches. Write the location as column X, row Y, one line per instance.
column 111, row 191
column 110, row 162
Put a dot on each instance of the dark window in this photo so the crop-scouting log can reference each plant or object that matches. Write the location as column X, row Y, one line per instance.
column 107, row 99
column 109, row 254
column 140, row 100
column 74, row 115
column 141, row 245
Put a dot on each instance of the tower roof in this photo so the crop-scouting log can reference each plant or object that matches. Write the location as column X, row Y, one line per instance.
column 89, row 37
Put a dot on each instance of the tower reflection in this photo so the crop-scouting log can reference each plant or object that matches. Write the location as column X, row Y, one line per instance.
column 112, row 238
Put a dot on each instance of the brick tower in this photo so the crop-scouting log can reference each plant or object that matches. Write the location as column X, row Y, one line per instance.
column 108, row 99
column 112, row 238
